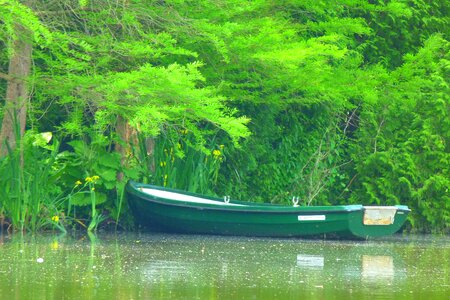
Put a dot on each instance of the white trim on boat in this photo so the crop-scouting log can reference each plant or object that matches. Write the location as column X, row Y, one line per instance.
column 182, row 197
column 312, row 218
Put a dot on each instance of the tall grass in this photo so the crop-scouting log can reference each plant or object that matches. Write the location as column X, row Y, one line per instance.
column 27, row 191
column 42, row 188
column 185, row 167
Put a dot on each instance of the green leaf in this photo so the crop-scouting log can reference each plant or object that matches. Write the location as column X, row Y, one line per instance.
column 108, row 175
column 100, row 198
column 111, row 160
column 78, row 146
column 81, row 199
column 85, row 198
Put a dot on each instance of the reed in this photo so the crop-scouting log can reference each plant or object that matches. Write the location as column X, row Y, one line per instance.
column 27, row 192
column 186, row 167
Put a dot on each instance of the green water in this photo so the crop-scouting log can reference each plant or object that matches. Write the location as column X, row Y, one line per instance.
column 157, row 266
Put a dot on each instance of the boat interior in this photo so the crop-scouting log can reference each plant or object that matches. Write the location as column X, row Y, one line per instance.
column 185, row 198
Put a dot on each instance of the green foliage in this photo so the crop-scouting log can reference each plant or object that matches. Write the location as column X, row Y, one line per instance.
column 400, row 27
column 152, row 97
column 348, row 102
column 14, row 13
column 179, row 164
column 90, row 176
column 270, row 163
column 29, row 195
column 402, row 154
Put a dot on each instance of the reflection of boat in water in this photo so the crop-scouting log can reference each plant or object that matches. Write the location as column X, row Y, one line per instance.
column 377, row 267
column 310, row 270
column 370, row 268
column 275, row 263
column 183, row 212
column 167, row 268
column 310, row 261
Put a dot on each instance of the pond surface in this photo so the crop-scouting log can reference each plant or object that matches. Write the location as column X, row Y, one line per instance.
column 157, row 266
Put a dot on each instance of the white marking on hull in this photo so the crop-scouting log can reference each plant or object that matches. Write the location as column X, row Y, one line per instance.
column 312, row 218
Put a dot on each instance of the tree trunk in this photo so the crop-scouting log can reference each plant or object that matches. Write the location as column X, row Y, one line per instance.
column 17, row 96
column 129, row 138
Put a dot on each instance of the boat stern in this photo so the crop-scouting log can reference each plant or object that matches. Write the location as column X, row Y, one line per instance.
column 375, row 221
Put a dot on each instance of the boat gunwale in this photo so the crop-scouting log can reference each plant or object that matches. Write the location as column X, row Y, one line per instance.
column 248, row 207
column 400, row 208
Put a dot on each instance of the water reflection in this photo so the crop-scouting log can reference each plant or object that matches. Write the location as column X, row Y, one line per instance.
column 275, row 266
column 370, row 268
column 310, row 261
column 165, row 269
column 187, row 267
column 375, row 268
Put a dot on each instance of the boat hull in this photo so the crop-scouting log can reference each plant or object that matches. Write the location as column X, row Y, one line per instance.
column 249, row 219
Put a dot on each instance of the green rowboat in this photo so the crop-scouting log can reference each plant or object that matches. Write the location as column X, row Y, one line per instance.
column 171, row 210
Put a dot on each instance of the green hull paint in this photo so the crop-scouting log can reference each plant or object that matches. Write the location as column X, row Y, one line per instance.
column 251, row 219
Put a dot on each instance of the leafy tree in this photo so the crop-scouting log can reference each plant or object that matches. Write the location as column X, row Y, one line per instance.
column 399, row 27
column 402, row 150
column 19, row 29
column 105, row 67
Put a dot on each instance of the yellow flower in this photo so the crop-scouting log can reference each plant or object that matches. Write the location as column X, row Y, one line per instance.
column 216, row 153
column 54, row 245
column 92, row 179
column 221, row 146
column 78, row 182
column 93, row 189
column 55, row 219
